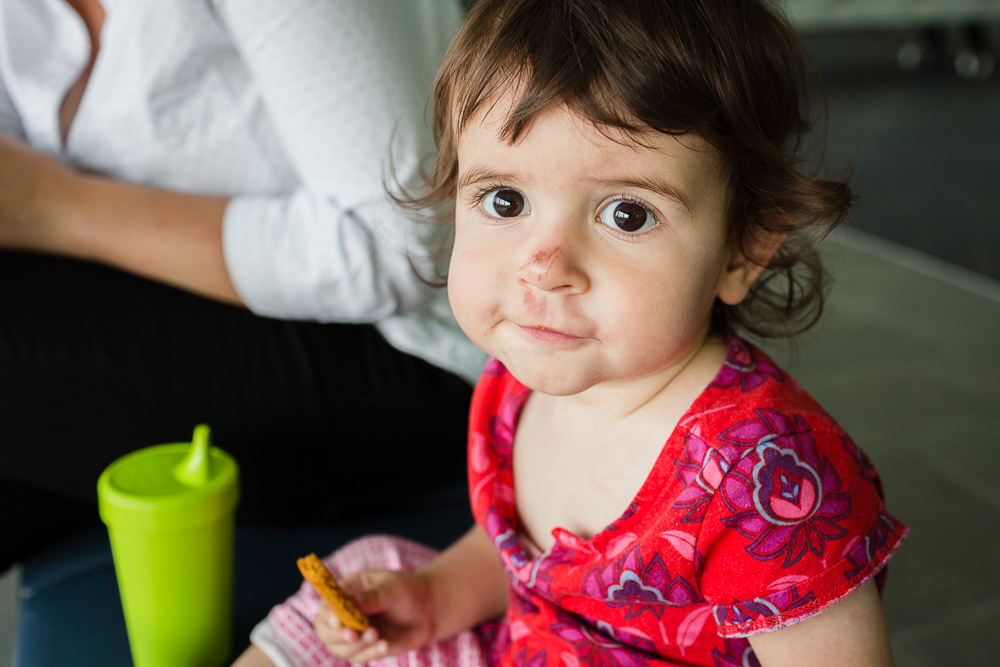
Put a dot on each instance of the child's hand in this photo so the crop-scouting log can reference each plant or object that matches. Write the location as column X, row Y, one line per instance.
column 401, row 610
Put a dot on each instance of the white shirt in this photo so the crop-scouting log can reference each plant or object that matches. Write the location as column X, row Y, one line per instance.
column 286, row 106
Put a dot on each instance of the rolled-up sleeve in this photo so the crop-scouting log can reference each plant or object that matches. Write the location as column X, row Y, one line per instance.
column 303, row 257
column 340, row 79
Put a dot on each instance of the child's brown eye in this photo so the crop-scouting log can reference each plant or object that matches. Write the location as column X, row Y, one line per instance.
column 505, row 204
column 627, row 216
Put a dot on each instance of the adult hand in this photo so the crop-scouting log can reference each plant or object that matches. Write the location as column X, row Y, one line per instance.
column 401, row 609
column 33, row 188
column 171, row 237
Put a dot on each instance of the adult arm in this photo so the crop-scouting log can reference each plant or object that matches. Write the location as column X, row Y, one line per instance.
column 171, row 237
column 339, row 78
column 851, row 632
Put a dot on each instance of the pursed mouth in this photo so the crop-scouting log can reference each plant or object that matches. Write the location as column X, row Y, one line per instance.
column 541, row 332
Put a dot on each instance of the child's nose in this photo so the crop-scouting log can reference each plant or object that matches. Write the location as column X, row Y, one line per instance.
column 553, row 268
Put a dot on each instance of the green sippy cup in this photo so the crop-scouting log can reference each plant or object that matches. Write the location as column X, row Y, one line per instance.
column 169, row 512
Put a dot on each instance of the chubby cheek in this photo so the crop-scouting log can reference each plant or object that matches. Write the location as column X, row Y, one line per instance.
column 659, row 315
column 472, row 293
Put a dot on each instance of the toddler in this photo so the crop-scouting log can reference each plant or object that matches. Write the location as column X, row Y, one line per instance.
column 648, row 487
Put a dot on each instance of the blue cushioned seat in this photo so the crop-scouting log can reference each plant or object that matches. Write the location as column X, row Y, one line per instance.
column 71, row 613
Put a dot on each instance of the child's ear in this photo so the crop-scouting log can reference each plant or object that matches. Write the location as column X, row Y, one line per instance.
column 741, row 272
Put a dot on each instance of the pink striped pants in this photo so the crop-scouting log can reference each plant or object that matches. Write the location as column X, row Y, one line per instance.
column 287, row 636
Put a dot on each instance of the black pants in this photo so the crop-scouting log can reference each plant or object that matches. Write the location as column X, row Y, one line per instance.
column 325, row 420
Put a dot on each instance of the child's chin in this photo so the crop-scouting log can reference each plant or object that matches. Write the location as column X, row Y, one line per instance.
column 549, row 380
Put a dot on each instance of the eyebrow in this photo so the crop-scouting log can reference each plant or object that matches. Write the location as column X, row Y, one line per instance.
column 480, row 174
column 660, row 187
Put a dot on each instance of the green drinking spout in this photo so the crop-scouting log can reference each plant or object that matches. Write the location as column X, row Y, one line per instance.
column 196, row 468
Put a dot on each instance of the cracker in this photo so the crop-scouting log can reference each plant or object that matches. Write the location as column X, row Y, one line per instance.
column 315, row 573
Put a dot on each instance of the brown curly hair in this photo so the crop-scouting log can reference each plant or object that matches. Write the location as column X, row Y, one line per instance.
column 730, row 71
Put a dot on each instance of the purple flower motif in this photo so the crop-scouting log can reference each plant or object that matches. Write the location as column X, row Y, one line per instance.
column 629, row 511
column 494, row 368
column 504, row 424
column 626, row 582
column 788, row 432
column 595, row 648
column 541, row 572
column 738, row 654
column 774, row 604
column 701, row 470
column 522, row 659
column 499, row 640
column 782, row 497
column 868, row 470
column 862, row 551
column 505, row 540
column 745, row 368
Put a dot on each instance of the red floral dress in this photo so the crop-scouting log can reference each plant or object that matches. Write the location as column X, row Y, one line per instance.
column 759, row 512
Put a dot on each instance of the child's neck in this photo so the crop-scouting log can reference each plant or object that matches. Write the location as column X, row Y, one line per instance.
column 580, row 460
column 619, row 400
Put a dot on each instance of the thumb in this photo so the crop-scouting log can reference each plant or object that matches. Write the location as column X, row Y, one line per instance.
column 373, row 591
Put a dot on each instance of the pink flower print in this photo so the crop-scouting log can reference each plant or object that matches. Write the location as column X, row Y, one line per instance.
column 496, row 526
column 684, row 543
column 597, row 649
column 691, row 626
column 478, row 457
column 738, row 654
column 626, row 582
column 786, row 490
column 619, row 544
column 745, row 369
column 779, row 497
column 701, row 470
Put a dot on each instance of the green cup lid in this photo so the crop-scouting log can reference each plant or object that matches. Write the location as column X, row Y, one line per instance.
column 169, row 487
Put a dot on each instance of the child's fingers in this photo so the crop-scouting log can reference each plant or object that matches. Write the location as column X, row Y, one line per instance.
column 368, row 647
column 339, row 640
column 373, row 651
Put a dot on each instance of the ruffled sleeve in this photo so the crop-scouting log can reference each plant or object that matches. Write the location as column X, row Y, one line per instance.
column 797, row 523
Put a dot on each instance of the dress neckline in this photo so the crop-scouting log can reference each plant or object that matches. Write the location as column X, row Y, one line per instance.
column 708, row 396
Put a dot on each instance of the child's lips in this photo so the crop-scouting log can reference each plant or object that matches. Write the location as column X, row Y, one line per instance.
column 549, row 334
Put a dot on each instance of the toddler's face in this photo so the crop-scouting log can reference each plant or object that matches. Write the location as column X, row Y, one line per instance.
column 579, row 260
